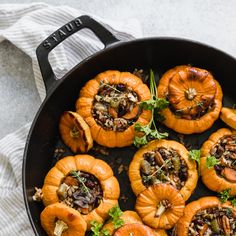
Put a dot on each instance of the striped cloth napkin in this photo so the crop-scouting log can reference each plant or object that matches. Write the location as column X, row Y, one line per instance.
column 26, row 26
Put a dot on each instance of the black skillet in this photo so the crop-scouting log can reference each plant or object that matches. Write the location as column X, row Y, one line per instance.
column 159, row 54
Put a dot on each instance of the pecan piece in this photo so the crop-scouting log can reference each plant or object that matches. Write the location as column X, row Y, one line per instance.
column 226, row 225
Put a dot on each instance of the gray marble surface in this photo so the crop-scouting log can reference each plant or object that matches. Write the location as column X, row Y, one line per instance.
column 209, row 21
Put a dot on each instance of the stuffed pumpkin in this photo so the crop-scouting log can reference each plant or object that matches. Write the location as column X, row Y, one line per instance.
column 109, row 103
column 163, row 161
column 160, row 206
column 195, row 99
column 58, row 219
column 83, row 183
column 220, row 148
column 207, row 216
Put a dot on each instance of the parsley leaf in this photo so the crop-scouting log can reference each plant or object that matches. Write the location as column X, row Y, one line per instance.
column 96, row 227
column 224, row 195
column 196, row 156
column 154, row 104
column 211, row 161
column 115, row 213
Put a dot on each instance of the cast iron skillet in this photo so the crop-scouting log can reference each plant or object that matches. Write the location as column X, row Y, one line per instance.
column 159, row 54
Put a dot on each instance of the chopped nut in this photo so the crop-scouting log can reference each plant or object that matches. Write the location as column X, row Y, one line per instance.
column 226, row 225
column 38, row 195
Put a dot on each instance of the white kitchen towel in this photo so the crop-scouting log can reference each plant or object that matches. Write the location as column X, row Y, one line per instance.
column 26, row 26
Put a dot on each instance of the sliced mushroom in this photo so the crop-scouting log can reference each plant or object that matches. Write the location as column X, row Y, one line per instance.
column 229, row 174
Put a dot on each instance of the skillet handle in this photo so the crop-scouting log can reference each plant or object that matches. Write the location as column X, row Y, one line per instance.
column 60, row 35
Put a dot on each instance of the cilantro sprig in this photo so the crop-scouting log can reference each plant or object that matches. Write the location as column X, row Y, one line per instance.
column 211, row 161
column 96, row 228
column 225, row 196
column 195, row 155
column 154, row 104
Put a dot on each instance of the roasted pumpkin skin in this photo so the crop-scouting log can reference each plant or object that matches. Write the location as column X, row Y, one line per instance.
column 131, row 217
column 100, row 169
column 135, row 165
column 209, row 175
column 228, row 115
column 179, row 101
column 192, row 208
column 75, row 132
column 149, row 203
column 84, row 106
column 58, row 211
column 134, row 229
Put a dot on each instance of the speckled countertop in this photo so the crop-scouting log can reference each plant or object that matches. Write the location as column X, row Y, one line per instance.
column 209, row 21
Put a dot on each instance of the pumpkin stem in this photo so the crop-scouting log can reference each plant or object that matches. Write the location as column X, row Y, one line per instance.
column 190, row 93
column 74, row 132
column 162, row 207
column 60, row 227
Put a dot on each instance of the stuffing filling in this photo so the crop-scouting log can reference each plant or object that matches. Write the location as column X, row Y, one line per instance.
column 163, row 166
column 115, row 107
column 213, row 222
column 225, row 153
column 81, row 191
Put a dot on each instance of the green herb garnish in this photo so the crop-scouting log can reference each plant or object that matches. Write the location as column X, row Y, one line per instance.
column 225, row 196
column 96, row 227
column 82, row 180
column 211, row 161
column 115, row 213
column 196, row 156
column 154, row 104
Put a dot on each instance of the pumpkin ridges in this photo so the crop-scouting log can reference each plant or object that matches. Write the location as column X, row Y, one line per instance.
column 49, row 194
column 89, row 88
column 157, row 193
column 127, row 216
column 135, row 165
column 66, row 164
column 193, row 207
column 101, row 170
column 215, row 182
column 109, row 76
column 86, row 110
column 111, row 184
column 95, row 167
column 188, row 126
column 76, row 224
column 84, row 162
column 134, row 229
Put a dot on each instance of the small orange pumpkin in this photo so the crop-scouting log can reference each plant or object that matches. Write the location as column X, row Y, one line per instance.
column 160, row 206
column 109, row 104
column 130, row 217
column 228, row 115
column 59, row 178
column 134, row 229
column 59, row 219
column 177, row 163
column 222, row 145
column 75, row 133
column 195, row 99
column 198, row 212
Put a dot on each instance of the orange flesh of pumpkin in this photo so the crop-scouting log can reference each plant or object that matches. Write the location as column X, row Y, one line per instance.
column 75, row 132
column 228, row 115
